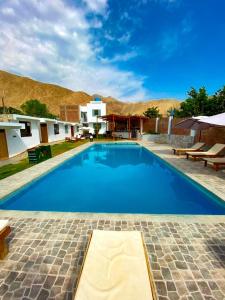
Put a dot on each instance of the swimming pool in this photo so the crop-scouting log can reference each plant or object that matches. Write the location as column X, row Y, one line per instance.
column 115, row 178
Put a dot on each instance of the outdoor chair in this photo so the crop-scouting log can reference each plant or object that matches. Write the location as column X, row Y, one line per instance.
column 115, row 267
column 195, row 147
column 216, row 162
column 4, row 232
column 214, row 151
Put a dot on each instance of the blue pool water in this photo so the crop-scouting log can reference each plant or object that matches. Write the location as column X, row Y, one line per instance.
column 115, row 178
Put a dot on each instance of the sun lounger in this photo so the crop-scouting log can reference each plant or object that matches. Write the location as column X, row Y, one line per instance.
column 4, row 232
column 115, row 267
column 212, row 152
column 72, row 139
column 195, row 147
column 216, row 162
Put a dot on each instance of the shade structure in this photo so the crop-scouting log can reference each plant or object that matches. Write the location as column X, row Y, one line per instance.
column 216, row 120
column 192, row 123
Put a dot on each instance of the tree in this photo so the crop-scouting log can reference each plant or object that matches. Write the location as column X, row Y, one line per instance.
column 216, row 103
column 199, row 103
column 152, row 112
column 35, row 108
column 196, row 104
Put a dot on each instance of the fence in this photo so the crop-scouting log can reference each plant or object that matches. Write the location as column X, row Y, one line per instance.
column 151, row 124
column 209, row 136
column 212, row 135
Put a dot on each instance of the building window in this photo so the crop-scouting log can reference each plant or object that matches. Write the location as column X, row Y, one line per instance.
column 56, row 128
column 27, row 130
column 83, row 115
column 97, row 126
column 96, row 112
column 66, row 129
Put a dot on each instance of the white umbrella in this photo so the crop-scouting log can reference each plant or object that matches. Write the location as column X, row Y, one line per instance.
column 216, row 120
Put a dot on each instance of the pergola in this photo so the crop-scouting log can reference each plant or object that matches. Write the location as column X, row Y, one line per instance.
column 124, row 126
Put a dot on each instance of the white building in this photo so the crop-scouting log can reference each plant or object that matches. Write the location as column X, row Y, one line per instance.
column 54, row 130
column 90, row 113
column 19, row 133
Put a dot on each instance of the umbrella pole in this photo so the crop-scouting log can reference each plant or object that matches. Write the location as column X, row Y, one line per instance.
column 200, row 136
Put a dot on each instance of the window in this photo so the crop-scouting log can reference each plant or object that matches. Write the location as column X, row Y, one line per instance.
column 97, row 126
column 66, row 128
column 27, row 130
column 56, row 128
column 83, row 116
column 96, row 112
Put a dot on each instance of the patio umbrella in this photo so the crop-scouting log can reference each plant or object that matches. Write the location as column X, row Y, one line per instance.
column 191, row 123
column 216, row 120
column 194, row 124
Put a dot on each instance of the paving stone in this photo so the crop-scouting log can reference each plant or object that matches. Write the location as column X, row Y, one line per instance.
column 43, row 295
column 186, row 262
column 161, row 288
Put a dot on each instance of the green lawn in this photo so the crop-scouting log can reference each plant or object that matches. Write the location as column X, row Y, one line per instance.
column 57, row 149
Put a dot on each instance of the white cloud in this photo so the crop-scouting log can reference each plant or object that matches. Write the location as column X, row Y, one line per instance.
column 52, row 41
column 8, row 11
column 97, row 6
column 120, row 57
column 125, row 38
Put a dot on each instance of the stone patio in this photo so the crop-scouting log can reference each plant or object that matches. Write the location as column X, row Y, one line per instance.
column 186, row 253
column 187, row 259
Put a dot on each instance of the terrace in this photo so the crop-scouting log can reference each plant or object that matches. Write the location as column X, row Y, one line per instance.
column 186, row 253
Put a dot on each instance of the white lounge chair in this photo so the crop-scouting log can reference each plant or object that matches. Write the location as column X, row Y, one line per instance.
column 195, row 147
column 214, row 151
column 4, row 232
column 115, row 267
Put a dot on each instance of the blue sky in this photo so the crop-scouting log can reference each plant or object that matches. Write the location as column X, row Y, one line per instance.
column 132, row 50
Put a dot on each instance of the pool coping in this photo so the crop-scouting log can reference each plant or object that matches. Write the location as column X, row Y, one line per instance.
column 12, row 183
column 114, row 216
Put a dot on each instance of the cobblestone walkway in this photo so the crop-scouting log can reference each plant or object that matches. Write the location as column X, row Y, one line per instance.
column 187, row 259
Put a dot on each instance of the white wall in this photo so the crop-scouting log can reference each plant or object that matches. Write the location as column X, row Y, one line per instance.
column 103, row 127
column 17, row 144
column 52, row 137
column 93, row 119
column 91, row 106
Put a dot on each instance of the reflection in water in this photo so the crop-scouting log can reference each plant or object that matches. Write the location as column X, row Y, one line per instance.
column 112, row 158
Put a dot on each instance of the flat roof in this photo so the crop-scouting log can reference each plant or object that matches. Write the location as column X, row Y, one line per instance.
column 24, row 117
column 114, row 117
column 11, row 125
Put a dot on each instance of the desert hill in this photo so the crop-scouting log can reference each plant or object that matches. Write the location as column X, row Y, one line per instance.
column 18, row 89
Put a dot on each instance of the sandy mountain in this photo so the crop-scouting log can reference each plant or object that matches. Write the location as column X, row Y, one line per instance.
column 18, row 89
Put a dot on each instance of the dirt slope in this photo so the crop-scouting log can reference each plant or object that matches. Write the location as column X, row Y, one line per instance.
column 18, row 89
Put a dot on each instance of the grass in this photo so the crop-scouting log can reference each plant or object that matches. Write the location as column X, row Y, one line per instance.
column 57, row 149
column 65, row 146
column 11, row 169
